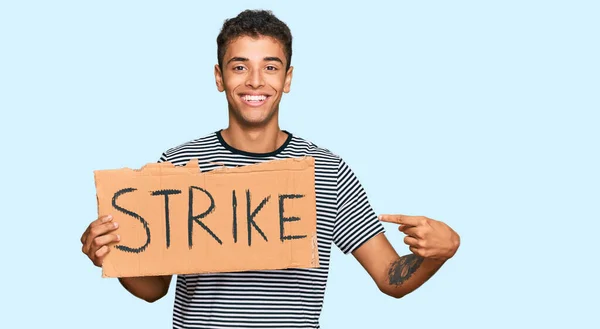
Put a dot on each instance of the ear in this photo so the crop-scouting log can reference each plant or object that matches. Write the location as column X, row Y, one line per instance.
column 288, row 80
column 219, row 78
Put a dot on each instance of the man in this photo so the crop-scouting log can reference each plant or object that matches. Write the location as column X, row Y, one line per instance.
column 253, row 70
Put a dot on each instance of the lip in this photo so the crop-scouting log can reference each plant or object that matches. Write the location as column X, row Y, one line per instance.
column 254, row 103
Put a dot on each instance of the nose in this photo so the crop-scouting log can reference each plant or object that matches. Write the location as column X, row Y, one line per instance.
column 255, row 79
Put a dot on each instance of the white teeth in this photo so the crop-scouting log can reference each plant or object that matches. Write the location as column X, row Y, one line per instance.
column 254, row 98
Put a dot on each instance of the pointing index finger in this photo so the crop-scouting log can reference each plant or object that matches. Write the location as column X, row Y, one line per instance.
column 400, row 219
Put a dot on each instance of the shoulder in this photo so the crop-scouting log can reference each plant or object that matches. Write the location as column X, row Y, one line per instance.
column 305, row 147
column 328, row 164
column 184, row 151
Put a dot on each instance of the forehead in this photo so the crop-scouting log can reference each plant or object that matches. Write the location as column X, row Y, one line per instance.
column 255, row 48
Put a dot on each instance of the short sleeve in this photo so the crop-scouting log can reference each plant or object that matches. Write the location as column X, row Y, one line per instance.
column 163, row 158
column 355, row 222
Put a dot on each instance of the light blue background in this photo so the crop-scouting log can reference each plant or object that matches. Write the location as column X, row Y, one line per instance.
column 482, row 114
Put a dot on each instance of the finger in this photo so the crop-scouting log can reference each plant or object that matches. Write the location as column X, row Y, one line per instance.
column 84, row 235
column 100, row 246
column 100, row 253
column 403, row 227
column 413, row 231
column 98, row 221
column 98, row 257
column 401, row 219
column 96, row 232
column 102, row 229
column 415, row 251
column 411, row 241
column 101, row 220
column 104, row 240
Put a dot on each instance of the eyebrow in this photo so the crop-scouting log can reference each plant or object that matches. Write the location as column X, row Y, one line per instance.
column 244, row 59
column 273, row 59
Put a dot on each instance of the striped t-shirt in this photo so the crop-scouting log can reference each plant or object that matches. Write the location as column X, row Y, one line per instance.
column 288, row 298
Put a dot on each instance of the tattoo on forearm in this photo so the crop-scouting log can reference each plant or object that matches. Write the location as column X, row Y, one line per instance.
column 402, row 269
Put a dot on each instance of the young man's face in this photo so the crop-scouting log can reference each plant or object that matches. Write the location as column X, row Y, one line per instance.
column 254, row 78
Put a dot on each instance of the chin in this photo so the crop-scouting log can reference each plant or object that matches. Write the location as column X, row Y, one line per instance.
column 253, row 122
column 250, row 120
column 254, row 116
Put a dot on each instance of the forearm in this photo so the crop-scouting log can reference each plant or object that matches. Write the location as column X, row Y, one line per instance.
column 150, row 288
column 408, row 273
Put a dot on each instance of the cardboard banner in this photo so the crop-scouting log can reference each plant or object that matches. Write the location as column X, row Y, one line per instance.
column 177, row 220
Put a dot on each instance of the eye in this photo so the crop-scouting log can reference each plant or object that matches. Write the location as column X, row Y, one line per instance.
column 271, row 68
column 238, row 68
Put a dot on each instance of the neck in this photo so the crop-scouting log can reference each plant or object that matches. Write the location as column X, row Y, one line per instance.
column 263, row 139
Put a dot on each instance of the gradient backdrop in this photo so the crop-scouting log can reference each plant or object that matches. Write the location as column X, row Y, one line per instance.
column 482, row 114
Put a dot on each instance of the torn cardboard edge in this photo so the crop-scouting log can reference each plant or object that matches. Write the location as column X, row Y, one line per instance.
column 192, row 166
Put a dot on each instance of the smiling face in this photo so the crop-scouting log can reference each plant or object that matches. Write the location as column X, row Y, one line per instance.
column 254, row 78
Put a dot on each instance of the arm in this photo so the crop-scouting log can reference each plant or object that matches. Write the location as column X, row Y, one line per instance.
column 150, row 288
column 357, row 229
column 394, row 275
column 432, row 243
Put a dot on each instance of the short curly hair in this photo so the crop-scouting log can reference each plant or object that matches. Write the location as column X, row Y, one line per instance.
column 254, row 23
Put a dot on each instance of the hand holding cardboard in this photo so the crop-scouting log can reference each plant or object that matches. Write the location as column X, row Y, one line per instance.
column 97, row 237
